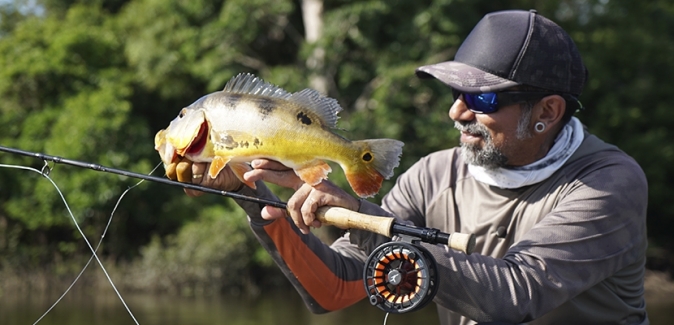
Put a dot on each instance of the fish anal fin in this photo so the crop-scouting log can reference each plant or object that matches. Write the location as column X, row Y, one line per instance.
column 240, row 168
column 217, row 165
column 313, row 172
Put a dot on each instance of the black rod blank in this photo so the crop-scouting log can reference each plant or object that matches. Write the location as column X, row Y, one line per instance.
column 60, row 160
column 429, row 235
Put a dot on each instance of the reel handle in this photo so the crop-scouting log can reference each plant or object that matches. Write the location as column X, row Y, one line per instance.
column 344, row 218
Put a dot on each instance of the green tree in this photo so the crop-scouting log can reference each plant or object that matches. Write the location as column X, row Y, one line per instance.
column 95, row 81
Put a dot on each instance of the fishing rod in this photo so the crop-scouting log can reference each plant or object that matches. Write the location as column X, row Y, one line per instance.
column 399, row 276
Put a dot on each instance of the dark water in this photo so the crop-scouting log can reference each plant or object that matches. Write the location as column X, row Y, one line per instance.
column 277, row 308
column 106, row 309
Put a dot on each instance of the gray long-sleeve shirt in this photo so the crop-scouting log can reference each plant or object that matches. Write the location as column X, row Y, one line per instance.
column 573, row 250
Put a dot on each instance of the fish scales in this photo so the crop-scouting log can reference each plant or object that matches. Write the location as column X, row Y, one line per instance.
column 297, row 140
column 252, row 119
column 236, row 130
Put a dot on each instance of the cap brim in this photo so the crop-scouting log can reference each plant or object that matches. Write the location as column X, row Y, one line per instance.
column 464, row 78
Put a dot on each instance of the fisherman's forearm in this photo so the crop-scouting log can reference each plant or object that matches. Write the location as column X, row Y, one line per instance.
column 326, row 279
column 254, row 209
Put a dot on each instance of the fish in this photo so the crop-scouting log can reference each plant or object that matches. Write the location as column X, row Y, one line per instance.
column 251, row 119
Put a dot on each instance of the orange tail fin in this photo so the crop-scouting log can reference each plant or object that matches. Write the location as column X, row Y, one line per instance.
column 366, row 183
column 377, row 160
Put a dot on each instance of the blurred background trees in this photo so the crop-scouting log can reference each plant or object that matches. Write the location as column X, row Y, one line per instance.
column 95, row 80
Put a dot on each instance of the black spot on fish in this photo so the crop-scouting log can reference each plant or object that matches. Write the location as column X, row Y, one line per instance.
column 257, row 143
column 304, row 118
column 266, row 106
column 367, row 156
column 243, row 144
column 232, row 100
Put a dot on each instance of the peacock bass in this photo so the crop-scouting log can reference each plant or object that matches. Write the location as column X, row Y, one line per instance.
column 252, row 119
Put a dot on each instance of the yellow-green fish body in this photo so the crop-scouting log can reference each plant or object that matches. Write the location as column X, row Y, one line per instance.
column 252, row 119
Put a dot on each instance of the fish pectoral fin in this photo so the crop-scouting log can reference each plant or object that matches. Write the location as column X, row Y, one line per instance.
column 313, row 172
column 217, row 165
column 239, row 169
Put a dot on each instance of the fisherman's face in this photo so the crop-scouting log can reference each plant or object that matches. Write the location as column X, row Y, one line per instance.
column 499, row 139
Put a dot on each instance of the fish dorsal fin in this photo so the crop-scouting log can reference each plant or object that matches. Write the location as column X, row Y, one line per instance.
column 246, row 83
column 325, row 107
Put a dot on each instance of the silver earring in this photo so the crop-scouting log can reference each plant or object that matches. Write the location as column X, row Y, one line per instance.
column 539, row 127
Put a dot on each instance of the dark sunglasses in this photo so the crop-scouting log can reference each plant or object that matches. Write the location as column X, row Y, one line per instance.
column 486, row 103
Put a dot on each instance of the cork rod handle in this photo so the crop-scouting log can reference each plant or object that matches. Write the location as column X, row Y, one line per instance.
column 348, row 219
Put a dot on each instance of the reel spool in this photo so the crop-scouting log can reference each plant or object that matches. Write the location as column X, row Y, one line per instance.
column 400, row 277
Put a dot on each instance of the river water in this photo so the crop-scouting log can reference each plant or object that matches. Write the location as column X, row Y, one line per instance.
column 271, row 309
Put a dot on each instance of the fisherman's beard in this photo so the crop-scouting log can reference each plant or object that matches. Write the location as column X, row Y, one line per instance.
column 488, row 155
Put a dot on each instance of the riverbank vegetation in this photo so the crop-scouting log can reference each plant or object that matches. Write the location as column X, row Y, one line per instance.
column 95, row 80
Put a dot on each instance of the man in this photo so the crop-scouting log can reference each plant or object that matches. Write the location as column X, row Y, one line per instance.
column 558, row 214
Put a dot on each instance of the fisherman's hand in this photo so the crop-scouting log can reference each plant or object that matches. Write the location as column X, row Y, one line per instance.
column 187, row 171
column 267, row 170
column 307, row 199
column 273, row 172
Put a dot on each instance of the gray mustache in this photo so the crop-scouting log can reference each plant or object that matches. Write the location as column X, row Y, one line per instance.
column 472, row 128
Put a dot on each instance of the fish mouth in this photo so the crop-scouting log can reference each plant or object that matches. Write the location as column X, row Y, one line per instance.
column 199, row 142
column 166, row 151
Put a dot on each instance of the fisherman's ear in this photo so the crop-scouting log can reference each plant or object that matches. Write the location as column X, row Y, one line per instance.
column 550, row 111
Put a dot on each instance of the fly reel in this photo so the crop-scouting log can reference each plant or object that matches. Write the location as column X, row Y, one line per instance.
column 400, row 277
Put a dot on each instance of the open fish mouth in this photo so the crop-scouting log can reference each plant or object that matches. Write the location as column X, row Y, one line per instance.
column 166, row 151
column 199, row 142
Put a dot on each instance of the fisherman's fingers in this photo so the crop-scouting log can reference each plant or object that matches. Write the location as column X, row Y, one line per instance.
column 333, row 195
column 325, row 194
column 183, row 170
column 269, row 164
column 311, row 204
column 273, row 213
column 295, row 208
column 273, row 172
column 170, row 171
column 196, row 174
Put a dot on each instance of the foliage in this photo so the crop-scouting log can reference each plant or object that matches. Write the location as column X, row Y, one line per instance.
column 214, row 254
column 94, row 81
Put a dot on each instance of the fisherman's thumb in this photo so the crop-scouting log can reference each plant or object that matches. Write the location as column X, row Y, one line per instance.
column 272, row 213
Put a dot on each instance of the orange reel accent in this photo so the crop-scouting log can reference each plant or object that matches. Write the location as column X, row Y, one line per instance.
column 400, row 277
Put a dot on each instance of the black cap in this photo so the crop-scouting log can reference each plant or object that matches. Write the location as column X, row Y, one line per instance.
column 509, row 48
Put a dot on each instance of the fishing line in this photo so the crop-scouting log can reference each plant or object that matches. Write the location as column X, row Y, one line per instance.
column 105, row 231
column 386, row 318
column 45, row 172
column 412, row 235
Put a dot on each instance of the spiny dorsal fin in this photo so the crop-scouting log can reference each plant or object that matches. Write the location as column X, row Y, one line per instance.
column 246, row 83
column 325, row 107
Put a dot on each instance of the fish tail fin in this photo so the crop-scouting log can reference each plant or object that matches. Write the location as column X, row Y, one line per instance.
column 378, row 158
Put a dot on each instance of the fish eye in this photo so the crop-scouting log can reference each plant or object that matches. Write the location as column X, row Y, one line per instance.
column 182, row 113
column 367, row 156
